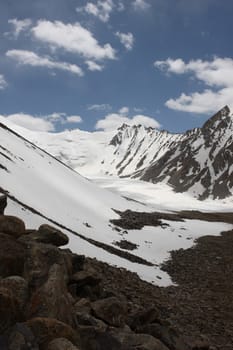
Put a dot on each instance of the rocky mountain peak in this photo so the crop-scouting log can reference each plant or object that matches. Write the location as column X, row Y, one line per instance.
column 218, row 120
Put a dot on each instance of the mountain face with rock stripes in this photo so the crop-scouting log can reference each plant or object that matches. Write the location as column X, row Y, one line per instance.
column 199, row 161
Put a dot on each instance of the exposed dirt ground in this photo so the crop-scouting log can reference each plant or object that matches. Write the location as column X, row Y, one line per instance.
column 201, row 305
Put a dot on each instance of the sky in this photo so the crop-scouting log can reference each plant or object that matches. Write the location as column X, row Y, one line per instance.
column 96, row 64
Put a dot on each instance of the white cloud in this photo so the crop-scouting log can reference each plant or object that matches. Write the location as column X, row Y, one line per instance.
column 74, row 119
column 171, row 66
column 126, row 39
column 72, row 38
column 3, row 83
column 123, row 111
column 93, row 66
column 205, row 102
column 140, row 5
column 99, row 107
column 20, row 25
column 30, row 122
column 115, row 120
column 217, row 75
column 56, row 117
column 102, row 9
column 44, row 123
column 32, row 59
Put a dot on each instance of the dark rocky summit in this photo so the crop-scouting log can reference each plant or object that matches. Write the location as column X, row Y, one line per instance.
column 52, row 299
column 203, row 157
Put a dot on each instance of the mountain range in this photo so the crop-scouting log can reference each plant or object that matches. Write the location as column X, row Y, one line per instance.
column 41, row 189
column 199, row 161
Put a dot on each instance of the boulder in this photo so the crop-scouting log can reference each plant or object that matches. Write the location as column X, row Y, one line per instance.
column 140, row 318
column 40, row 257
column 52, row 299
column 9, row 310
column 166, row 334
column 139, row 341
column 3, row 203
column 18, row 287
column 21, row 338
column 83, row 305
column 12, row 225
column 93, row 338
column 111, row 310
column 77, row 262
column 12, row 256
column 47, row 329
column 51, row 235
column 61, row 344
column 84, row 319
column 86, row 277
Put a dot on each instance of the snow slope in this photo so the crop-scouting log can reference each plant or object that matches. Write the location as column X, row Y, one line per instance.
column 199, row 161
column 42, row 189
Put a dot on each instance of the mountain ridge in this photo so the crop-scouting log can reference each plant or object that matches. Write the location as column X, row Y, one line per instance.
column 199, row 161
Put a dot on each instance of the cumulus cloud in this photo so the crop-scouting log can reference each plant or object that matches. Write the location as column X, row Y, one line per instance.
column 100, row 107
column 30, row 58
column 93, row 66
column 115, row 120
column 102, row 9
column 72, row 38
column 3, row 83
column 43, row 123
column 74, row 119
column 217, row 75
column 140, row 5
column 30, row 122
column 126, row 39
column 20, row 25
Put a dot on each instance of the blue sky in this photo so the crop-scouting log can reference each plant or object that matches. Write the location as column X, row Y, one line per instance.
column 95, row 64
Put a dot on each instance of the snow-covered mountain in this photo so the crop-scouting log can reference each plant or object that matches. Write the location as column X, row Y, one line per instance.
column 41, row 189
column 199, row 161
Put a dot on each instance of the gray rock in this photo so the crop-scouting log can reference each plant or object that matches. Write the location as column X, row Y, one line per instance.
column 139, row 341
column 47, row 329
column 12, row 225
column 12, row 256
column 9, row 310
column 61, row 344
column 18, row 286
column 111, row 310
column 51, row 235
column 86, row 277
column 21, row 338
column 52, row 299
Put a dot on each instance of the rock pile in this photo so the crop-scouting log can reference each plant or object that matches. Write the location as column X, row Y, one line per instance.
column 52, row 299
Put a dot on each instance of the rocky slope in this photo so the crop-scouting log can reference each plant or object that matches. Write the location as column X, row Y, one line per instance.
column 52, row 299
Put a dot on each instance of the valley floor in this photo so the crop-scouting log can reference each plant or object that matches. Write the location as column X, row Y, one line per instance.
column 200, row 307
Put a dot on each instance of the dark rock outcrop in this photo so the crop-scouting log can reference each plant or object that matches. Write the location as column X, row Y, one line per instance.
column 3, row 203
column 51, row 235
column 12, row 226
column 111, row 310
column 12, row 256
column 61, row 344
